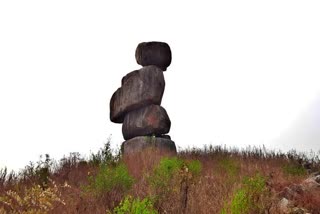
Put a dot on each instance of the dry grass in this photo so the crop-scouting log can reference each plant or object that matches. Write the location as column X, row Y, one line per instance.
column 222, row 173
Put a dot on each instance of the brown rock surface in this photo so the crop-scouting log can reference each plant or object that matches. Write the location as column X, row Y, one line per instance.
column 149, row 120
column 165, row 136
column 139, row 88
column 154, row 53
column 138, row 144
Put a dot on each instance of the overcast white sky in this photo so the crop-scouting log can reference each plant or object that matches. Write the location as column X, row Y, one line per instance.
column 242, row 73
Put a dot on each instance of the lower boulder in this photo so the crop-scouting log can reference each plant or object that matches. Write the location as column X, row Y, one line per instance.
column 138, row 144
column 149, row 120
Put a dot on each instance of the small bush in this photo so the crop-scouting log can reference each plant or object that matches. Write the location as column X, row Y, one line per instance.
column 135, row 206
column 165, row 171
column 172, row 178
column 240, row 202
column 294, row 170
column 39, row 172
column 249, row 198
column 110, row 177
column 71, row 161
column 34, row 200
column 104, row 155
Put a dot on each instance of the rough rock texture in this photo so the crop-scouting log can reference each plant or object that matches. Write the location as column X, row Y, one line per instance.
column 149, row 120
column 139, row 88
column 137, row 102
column 138, row 144
column 154, row 53
column 165, row 136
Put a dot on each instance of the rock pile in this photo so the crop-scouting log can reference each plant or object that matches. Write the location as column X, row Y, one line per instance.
column 137, row 102
column 286, row 203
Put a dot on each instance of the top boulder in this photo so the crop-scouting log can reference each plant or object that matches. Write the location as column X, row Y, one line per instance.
column 154, row 53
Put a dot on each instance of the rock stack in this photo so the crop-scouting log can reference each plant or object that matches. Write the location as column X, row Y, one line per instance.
column 136, row 103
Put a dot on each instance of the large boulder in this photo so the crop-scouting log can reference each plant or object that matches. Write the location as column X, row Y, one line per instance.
column 154, row 53
column 149, row 120
column 139, row 88
column 138, row 144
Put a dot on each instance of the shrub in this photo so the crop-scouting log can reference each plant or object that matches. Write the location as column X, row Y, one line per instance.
column 71, row 161
column 250, row 197
column 168, row 168
column 135, row 206
column 34, row 200
column 240, row 202
column 110, row 177
column 173, row 177
column 165, row 171
column 104, row 155
column 38, row 172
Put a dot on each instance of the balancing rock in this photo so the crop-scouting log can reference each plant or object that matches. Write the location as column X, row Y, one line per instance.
column 137, row 102
column 138, row 144
column 149, row 120
column 139, row 88
column 154, row 53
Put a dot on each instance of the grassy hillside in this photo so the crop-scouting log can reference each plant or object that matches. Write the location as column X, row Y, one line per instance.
column 209, row 180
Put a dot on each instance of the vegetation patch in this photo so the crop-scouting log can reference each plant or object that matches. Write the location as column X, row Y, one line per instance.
column 33, row 200
column 173, row 168
column 194, row 167
column 230, row 166
column 181, row 184
column 132, row 205
column 108, row 178
column 173, row 178
column 249, row 198
column 292, row 169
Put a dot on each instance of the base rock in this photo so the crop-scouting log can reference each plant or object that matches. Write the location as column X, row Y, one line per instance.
column 138, row 144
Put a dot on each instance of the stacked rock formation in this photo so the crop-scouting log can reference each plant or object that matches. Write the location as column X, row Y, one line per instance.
column 137, row 102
